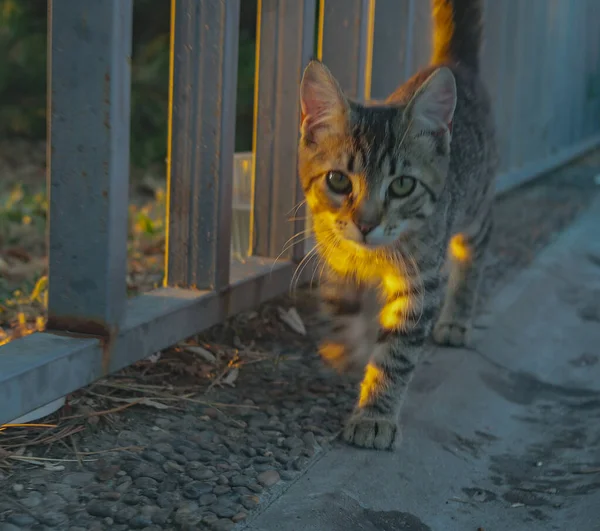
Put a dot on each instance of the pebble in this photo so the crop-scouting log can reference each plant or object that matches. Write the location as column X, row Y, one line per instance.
column 78, row 479
column 21, row 520
column 239, row 517
column 17, row 487
column 249, row 501
column 172, row 466
column 207, row 499
column 188, row 514
column 140, row 522
column 9, row 527
column 147, row 470
column 200, row 473
column 223, row 525
column 107, row 473
column 195, row 489
column 223, row 510
column 221, row 489
column 33, row 499
column 240, row 481
column 125, row 514
column 145, row 483
column 100, row 508
column 268, row 478
column 55, row 519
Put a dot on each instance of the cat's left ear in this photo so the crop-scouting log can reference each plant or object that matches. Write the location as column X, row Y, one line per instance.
column 323, row 104
column 432, row 107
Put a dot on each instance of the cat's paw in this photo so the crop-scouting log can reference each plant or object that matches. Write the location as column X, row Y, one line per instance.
column 342, row 357
column 367, row 431
column 451, row 334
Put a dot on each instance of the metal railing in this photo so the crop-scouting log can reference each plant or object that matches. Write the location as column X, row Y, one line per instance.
column 541, row 63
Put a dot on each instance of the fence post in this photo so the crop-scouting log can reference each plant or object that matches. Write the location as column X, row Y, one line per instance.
column 88, row 163
column 346, row 43
column 203, row 83
column 285, row 43
column 391, row 46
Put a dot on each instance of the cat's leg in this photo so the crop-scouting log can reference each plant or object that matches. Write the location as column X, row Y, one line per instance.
column 403, row 333
column 467, row 253
column 348, row 344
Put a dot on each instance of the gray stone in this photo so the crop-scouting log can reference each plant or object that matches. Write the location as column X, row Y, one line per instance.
column 33, row 499
column 140, row 522
column 131, row 498
column 222, row 524
column 78, row 479
column 9, row 527
column 240, row 481
column 200, row 473
column 156, row 457
column 221, row 489
column 147, row 470
column 207, row 499
column 268, row 478
column 293, row 442
column 250, row 501
column 21, row 520
column 187, row 514
column 223, row 510
column 145, row 483
column 195, row 489
column 100, row 508
column 124, row 515
column 54, row 519
column 161, row 516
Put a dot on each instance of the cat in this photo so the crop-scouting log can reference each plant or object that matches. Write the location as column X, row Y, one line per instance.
column 401, row 197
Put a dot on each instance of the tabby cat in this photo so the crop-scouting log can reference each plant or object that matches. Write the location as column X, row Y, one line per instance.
column 400, row 195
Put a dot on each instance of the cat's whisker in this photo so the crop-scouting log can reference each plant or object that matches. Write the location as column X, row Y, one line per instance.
column 291, row 242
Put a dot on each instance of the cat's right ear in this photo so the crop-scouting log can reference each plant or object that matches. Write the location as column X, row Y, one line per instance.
column 323, row 104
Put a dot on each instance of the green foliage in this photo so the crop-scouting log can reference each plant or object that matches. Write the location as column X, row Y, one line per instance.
column 23, row 75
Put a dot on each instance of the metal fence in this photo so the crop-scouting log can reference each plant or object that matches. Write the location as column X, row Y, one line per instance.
column 541, row 63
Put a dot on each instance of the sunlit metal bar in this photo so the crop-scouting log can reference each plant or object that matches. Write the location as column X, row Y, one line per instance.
column 88, row 163
column 286, row 35
column 390, row 46
column 204, row 56
column 346, row 43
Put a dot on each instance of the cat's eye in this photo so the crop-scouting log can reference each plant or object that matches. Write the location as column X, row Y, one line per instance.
column 402, row 187
column 339, row 183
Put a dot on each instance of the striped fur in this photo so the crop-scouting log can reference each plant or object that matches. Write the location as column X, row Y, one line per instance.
column 400, row 266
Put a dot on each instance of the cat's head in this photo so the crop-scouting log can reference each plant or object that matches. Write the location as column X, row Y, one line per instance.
column 374, row 173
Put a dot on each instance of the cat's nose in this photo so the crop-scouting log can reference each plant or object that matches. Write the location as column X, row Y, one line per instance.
column 365, row 228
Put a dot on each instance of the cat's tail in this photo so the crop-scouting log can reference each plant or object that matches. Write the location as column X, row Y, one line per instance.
column 457, row 29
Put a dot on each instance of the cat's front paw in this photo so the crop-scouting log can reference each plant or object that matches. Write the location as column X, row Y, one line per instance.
column 367, row 431
column 342, row 357
column 451, row 334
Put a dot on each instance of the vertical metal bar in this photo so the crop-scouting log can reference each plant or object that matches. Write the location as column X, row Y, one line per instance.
column 285, row 44
column 346, row 43
column 421, row 35
column 389, row 46
column 88, row 163
column 203, row 83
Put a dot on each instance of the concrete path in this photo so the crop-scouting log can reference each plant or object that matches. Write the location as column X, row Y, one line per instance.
column 505, row 437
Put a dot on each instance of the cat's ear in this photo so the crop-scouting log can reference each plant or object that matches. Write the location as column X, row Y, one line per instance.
column 432, row 107
column 323, row 104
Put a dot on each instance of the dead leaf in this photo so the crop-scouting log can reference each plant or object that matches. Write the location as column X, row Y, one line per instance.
column 206, row 355
column 153, row 358
column 292, row 319
column 231, row 377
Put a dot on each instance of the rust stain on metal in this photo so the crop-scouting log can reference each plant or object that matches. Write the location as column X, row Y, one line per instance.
column 71, row 326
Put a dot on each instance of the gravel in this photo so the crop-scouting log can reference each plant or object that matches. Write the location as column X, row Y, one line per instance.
column 209, row 467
